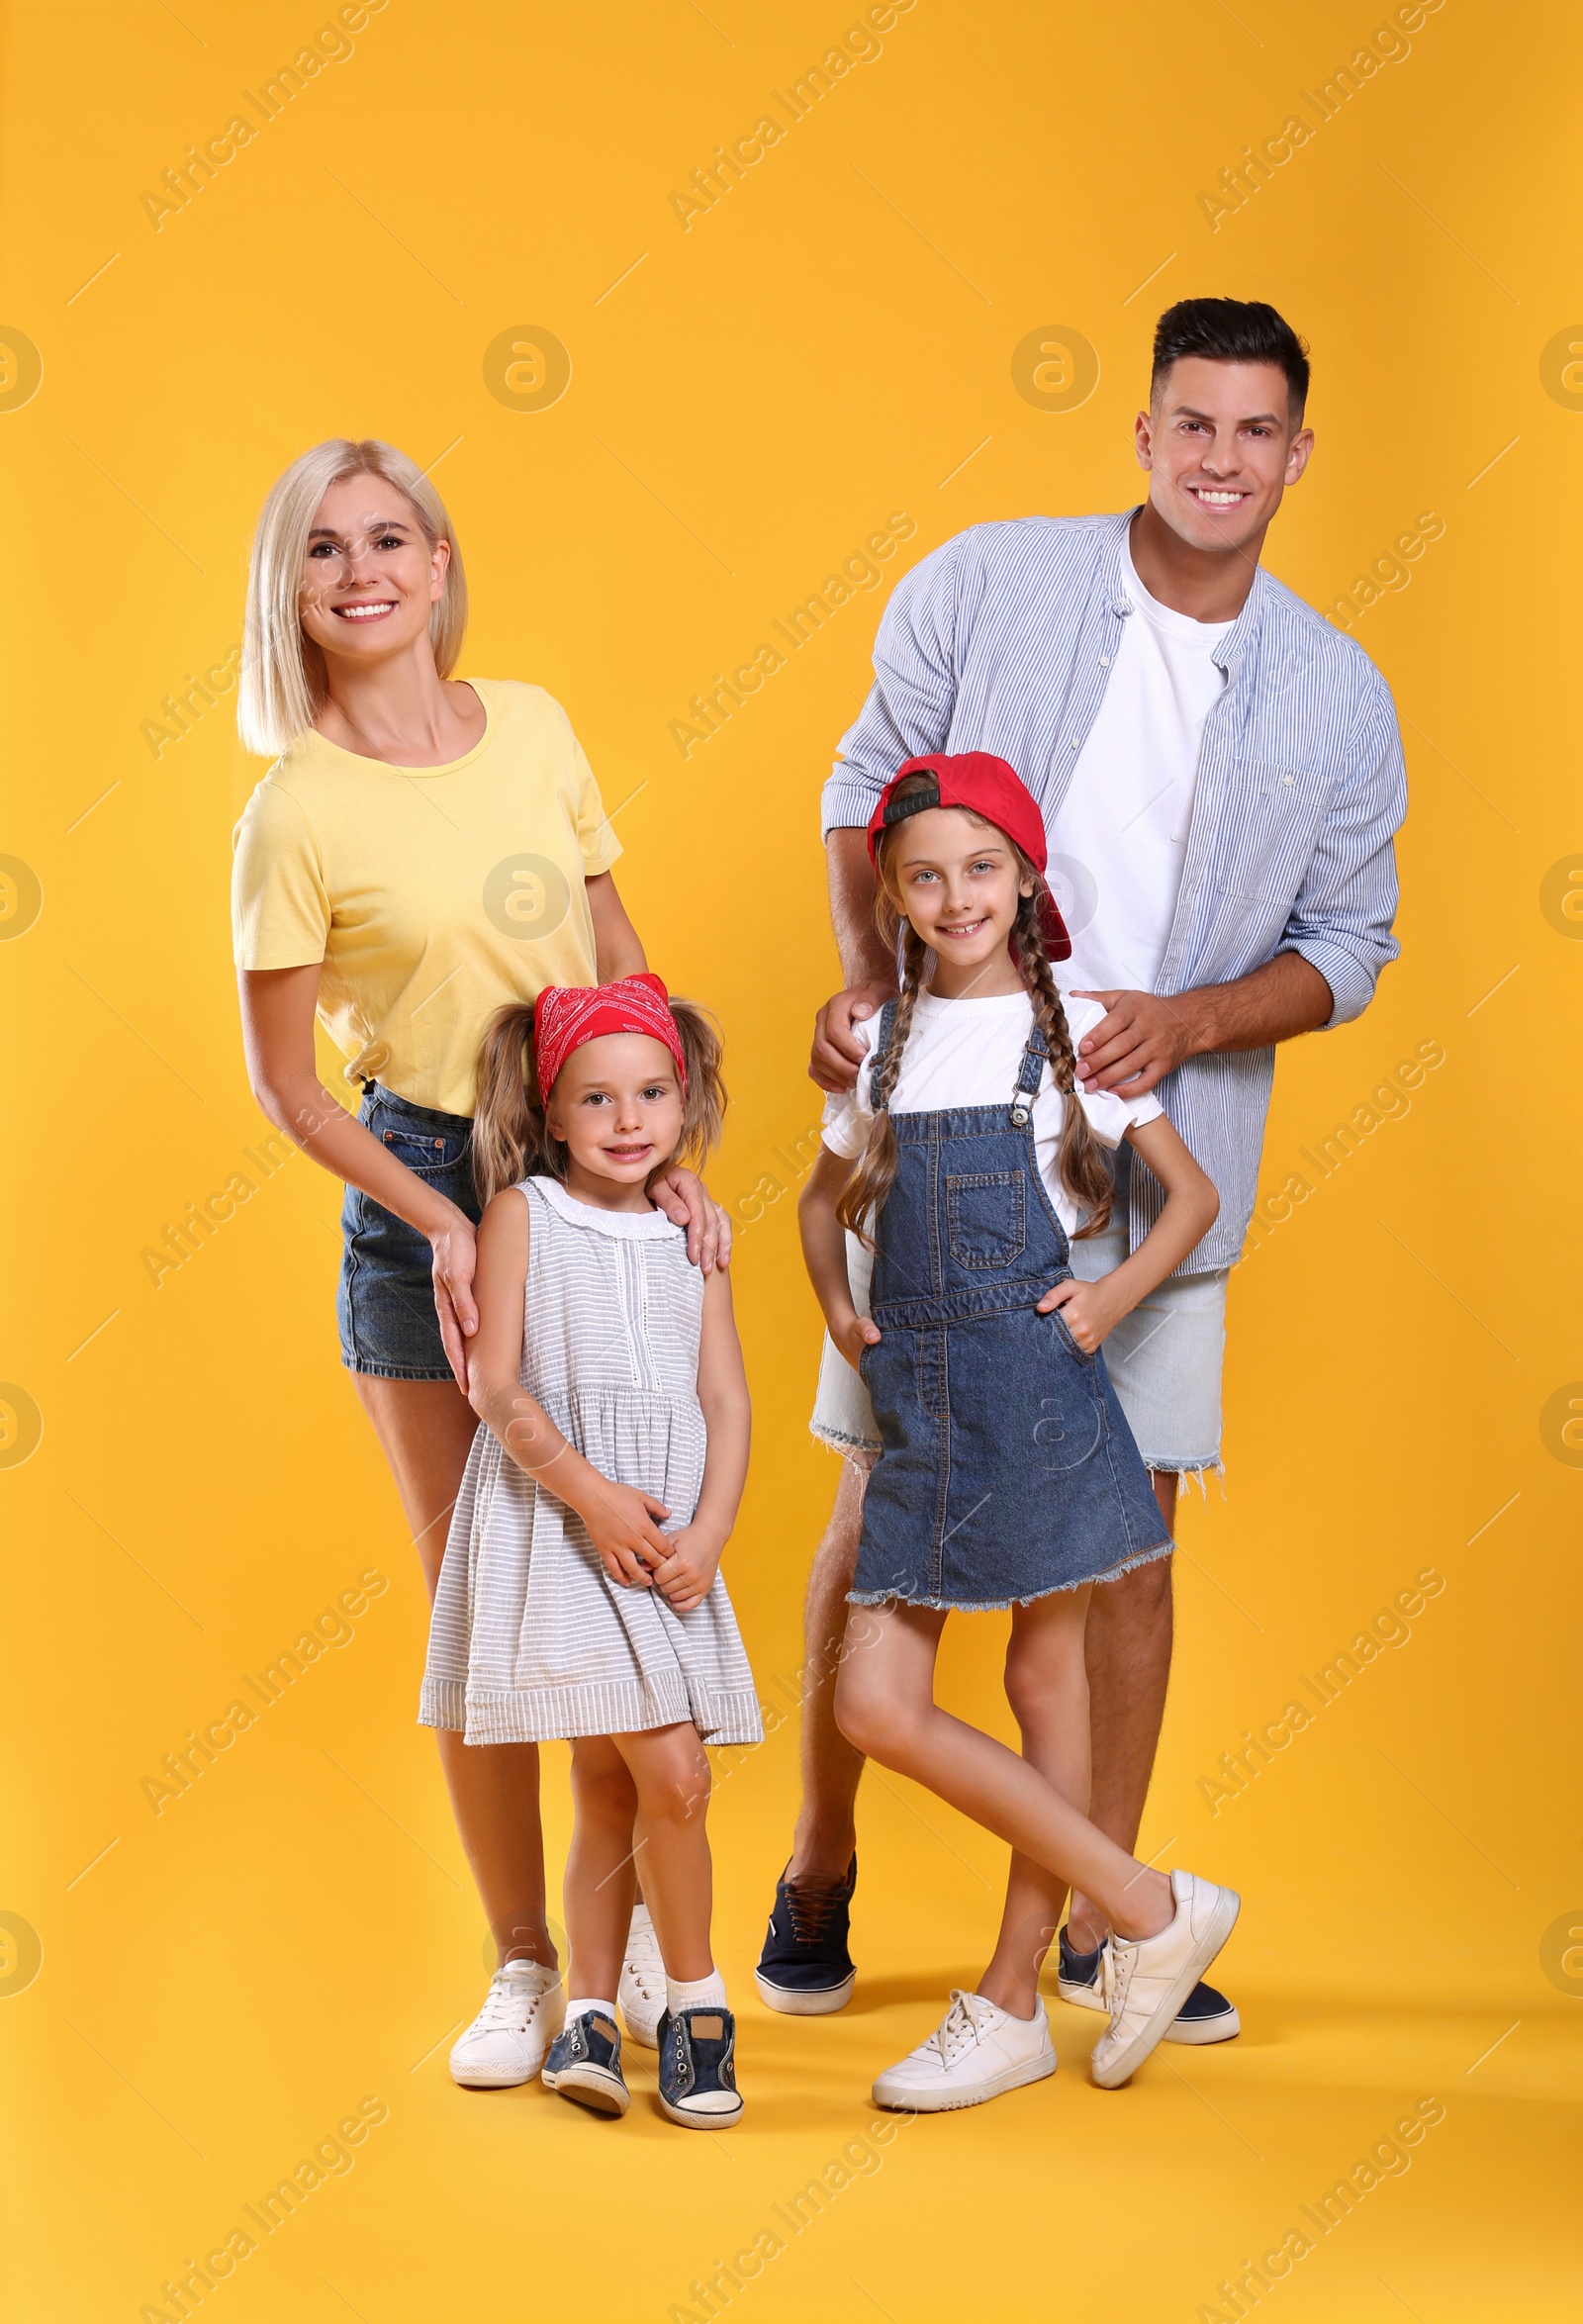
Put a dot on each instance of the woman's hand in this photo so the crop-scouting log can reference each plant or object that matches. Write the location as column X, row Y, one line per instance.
column 622, row 1525
column 852, row 1333
column 685, row 1202
column 1088, row 1309
column 688, row 1574
column 455, row 1250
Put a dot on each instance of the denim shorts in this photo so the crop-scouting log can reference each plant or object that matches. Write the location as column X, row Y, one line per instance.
column 385, row 1301
column 1164, row 1361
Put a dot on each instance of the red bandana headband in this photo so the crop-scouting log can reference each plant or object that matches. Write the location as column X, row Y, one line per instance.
column 567, row 1015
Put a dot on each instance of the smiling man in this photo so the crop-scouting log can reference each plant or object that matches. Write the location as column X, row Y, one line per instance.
column 1220, row 775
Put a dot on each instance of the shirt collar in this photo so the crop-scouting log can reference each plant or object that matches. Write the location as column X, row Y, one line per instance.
column 1238, row 637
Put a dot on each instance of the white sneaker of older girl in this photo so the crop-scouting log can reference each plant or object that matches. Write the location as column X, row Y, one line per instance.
column 978, row 2050
column 1148, row 1979
column 642, row 1982
column 510, row 2038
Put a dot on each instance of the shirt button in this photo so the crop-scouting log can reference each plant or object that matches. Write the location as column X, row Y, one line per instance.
column 1105, row 661
column 1287, row 778
column 1077, row 742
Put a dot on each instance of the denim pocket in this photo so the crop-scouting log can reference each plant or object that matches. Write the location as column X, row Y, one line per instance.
column 1083, row 1354
column 987, row 1215
column 424, row 1153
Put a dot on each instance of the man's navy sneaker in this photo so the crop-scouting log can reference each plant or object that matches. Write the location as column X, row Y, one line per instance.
column 585, row 2063
column 1205, row 2015
column 806, row 1969
column 698, row 2068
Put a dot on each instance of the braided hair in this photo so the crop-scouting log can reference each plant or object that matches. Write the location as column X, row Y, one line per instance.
column 1081, row 1157
column 874, row 1172
column 1081, row 1160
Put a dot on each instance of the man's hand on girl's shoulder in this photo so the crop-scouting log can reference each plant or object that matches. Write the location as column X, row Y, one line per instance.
column 837, row 1050
column 687, row 1202
column 1140, row 1037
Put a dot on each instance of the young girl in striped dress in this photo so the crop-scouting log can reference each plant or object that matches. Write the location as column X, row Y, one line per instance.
column 580, row 1595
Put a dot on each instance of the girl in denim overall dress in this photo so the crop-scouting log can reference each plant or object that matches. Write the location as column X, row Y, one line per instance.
column 1008, row 1477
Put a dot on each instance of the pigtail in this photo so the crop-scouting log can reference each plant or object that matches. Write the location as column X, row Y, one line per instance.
column 510, row 1140
column 1086, row 1171
column 703, row 1102
column 875, row 1172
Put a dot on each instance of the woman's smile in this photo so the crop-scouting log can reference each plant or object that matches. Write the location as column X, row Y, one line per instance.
column 365, row 610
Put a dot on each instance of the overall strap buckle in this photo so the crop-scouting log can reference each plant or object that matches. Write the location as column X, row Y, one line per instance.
column 1034, row 1057
column 887, row 1026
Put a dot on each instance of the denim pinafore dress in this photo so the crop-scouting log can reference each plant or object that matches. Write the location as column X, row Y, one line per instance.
column 1009, row 1470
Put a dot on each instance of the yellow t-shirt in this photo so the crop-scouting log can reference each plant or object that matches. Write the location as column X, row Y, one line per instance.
column 431, row 894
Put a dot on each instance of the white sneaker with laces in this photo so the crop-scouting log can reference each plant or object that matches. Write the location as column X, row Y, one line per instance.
column 978, row 2050
column 1146, row 1979
column 641, row 1992
column 510, row 2038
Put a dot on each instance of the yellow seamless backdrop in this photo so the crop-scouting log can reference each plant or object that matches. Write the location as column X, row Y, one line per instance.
column 710, row 323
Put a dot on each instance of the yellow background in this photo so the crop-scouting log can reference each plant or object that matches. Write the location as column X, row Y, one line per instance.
column 826, row 347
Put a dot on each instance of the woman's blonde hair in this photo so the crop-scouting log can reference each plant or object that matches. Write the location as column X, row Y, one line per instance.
column 512, row 1138
column 1085, row 1172
column 283, row 671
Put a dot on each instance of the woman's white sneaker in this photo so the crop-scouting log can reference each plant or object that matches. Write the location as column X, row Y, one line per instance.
column 641, row 1992
column 510, row 2038
column 1146, row 1979
column 978, row 2050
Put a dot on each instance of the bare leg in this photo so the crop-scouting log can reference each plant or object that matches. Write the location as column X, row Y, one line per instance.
column 885, row 1701
column 1048, row 1689
column 425, row 1429
column 599, row 1867
column 826, row 1829
column 1128, row 1642
column 671, row 1775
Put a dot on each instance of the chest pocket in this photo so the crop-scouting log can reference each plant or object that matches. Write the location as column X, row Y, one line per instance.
column 987, row 1216
column 1272, row 830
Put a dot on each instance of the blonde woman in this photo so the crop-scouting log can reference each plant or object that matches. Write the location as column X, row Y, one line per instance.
column 424, row 851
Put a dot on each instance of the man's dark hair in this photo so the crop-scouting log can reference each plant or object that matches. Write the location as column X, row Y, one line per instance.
column 1230, row 331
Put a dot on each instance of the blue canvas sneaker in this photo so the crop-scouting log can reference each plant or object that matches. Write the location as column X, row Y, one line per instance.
column 806, row 1969
column 698, row 2068
column 585, row 2063
column 1205, row 2015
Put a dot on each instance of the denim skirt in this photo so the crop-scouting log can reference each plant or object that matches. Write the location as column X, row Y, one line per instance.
column 385, row 1301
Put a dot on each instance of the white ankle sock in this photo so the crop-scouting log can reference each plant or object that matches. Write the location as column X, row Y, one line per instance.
column 681, row 1994
column 581, row 2008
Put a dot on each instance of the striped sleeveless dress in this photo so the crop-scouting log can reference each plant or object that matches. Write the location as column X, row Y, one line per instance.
column 530, row 1639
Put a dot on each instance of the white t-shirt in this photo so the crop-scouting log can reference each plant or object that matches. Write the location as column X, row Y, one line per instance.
column 969, row 1052
column 1119, row 842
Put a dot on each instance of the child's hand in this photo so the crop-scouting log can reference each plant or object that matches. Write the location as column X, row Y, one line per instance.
column 1088, row 1310
column 853, row 1333
column 688, row 1574
column 621, row 1525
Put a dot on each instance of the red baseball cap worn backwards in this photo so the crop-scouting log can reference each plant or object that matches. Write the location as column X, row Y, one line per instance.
column 987, row 787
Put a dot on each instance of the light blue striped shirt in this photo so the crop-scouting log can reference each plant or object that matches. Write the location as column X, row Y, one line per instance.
column 1002, row 640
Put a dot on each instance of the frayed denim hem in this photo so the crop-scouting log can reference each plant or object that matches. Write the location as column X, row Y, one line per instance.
column 394, row 1371
column 1191, row 1472
column 858, row 1448
column 1009, row 1604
